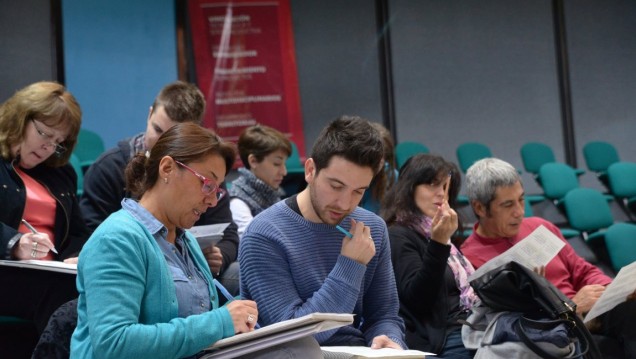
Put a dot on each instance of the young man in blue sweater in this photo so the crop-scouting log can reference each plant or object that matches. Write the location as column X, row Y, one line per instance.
column 295, row 260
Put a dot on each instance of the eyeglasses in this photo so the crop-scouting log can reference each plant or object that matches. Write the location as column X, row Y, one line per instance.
column 208, row 186
column 59, row 149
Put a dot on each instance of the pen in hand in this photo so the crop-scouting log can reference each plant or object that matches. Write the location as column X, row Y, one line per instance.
column 34, row 231
column 228, row 296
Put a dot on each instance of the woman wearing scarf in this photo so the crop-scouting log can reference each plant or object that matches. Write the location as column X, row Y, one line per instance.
column 430, row 272
column 263, row 151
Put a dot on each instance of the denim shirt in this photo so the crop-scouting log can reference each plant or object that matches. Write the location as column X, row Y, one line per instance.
column 193, row 295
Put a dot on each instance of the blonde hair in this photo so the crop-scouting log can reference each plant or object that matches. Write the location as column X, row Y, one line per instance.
column 47, row 102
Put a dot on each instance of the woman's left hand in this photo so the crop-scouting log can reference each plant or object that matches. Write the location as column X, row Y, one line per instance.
column 215, row 259
column 71, row 260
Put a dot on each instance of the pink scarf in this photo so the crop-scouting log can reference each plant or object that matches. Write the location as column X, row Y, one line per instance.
column 461, row 268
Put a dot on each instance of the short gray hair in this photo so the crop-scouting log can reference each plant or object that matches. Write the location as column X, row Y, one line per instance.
column 485, row 176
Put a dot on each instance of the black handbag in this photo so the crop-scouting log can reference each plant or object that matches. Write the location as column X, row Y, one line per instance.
column 514, row 288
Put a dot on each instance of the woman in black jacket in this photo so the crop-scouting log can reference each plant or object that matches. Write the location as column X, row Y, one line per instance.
column 38, row 130
column 430, row 272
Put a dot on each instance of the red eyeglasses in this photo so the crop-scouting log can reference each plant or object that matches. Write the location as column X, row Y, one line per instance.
column 209, row 186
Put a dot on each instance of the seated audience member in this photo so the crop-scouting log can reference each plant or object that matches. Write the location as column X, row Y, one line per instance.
column 385, row 178
column 104, row 186
column 145, row 289
column 431, row 274
column 39, row 125
column 294, row 260
column 263, row 151
column 496, row 195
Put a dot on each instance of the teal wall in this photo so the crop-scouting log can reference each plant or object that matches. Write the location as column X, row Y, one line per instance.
column 118, row 54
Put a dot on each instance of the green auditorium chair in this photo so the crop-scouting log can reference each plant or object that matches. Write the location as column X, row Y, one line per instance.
column 405, row 150
column 620, row 240
column 587, row 211
column 557, row 179
column 599, row 155
column 77, row 166
column 471, row 152
column 622, row 183
column 294, row 181
column 88, row 147
column 536, row 154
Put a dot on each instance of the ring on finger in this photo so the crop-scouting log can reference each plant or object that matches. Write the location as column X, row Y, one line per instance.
column 250, row 318
column 35, row 245
column 33, row 253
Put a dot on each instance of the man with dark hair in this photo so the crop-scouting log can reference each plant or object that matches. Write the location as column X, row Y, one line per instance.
column 496, row 195
column 295, row 260
column 104, row 186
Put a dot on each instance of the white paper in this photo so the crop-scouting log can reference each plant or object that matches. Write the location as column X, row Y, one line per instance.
column 274, row 334
column 54, row 266
column 366, row 352
column 615, row 293
column 536, row 250
column 208, row 234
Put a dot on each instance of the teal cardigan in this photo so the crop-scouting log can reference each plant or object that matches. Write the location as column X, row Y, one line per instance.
column 127, row 305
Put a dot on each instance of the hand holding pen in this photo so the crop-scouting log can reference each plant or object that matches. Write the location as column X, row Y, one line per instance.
column 252, row 314
column 33, row 245
column 358, row 244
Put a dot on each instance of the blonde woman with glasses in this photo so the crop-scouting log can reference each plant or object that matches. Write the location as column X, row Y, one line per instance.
column 40, row 216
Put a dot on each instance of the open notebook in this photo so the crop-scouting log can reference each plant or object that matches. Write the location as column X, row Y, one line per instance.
column 275, row 334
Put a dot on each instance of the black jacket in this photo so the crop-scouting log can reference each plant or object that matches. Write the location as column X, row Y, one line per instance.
column 104, row 189
column 422, row 276
column 70, row 231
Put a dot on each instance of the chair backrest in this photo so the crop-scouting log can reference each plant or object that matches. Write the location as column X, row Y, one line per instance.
column 587, row 210
column 599, row 155
column 557, row 179
column 620, row 239
column 293, row 161
column 88, row 147
column 471, row 152
column 622, row 179
column 77, row 166
column 536, row 154
column 528, row 212
column 407, row 149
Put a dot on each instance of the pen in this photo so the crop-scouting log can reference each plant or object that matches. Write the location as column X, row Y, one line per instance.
column 344, row 231
column 228, row 296
column 30, row 227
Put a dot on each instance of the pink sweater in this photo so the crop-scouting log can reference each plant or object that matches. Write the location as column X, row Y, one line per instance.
column 567, row 271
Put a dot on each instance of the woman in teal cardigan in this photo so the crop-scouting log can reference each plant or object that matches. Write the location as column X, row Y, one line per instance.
column 146, row 290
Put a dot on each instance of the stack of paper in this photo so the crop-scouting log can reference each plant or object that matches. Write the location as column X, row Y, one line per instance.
column 275, row 334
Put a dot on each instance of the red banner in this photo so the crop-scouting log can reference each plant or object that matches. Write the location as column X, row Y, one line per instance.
column 246, row 66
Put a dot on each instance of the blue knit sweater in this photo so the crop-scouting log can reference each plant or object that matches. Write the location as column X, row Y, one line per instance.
column 292, row 267
column 128, row 306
